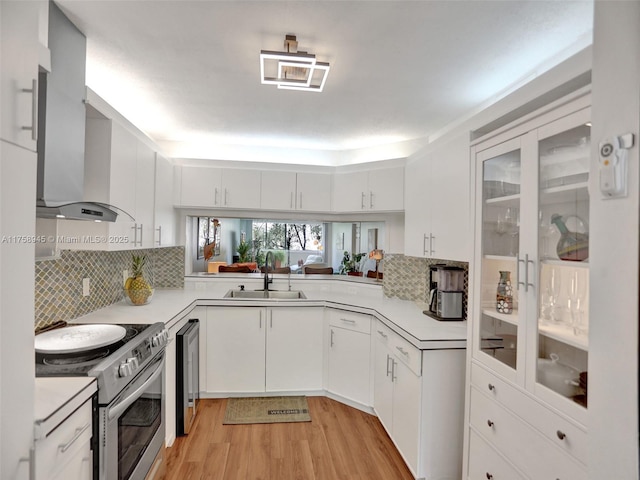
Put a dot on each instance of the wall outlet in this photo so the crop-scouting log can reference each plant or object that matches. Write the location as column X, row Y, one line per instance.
column 125, row 275
column 85, row 287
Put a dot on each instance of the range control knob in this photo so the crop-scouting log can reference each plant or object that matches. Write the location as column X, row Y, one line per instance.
column 128, row 367
column 125, row 369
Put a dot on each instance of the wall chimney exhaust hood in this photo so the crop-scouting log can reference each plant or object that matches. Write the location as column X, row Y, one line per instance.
column 61, row 128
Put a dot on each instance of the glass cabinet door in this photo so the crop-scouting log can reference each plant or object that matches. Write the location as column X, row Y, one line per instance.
column 499, row 325
column 563, row 254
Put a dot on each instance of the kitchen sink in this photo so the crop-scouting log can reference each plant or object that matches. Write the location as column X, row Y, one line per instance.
column 268, row 294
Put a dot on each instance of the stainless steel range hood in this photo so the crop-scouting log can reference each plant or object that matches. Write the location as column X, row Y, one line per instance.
column 61, row 128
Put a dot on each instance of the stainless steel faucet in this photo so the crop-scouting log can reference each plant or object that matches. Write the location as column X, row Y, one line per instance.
column 267, row 280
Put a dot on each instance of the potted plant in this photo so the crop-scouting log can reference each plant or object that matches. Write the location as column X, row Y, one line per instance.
column 350, row 264
column 243, row 252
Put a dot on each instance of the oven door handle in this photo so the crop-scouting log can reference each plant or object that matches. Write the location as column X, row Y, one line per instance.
column 119, row 408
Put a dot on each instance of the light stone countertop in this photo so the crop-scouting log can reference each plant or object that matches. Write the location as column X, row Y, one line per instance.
column 402, row 316
column 58, row 397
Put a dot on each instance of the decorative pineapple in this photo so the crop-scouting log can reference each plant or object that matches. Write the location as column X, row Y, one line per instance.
column 136, row 287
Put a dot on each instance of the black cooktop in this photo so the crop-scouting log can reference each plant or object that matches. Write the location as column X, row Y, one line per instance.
column 78, row 364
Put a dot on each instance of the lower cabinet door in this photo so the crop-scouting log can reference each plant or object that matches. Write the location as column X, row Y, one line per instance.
column 406, row 413
column 349, row 361
column 236, row 350
column 294, row 349
column 383, row 385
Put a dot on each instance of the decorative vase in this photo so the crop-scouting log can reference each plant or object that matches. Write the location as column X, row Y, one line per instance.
column 504, row 294
column 572, row 246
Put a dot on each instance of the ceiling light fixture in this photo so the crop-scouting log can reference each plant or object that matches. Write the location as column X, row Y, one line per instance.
column 291, row 69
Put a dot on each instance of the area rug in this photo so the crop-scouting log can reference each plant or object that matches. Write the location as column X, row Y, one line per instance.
column 266, row 410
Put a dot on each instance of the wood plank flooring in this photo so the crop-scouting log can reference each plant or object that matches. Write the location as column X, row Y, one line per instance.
column 340, row 443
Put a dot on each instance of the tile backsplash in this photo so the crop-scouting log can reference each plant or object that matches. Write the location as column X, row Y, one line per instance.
column 407, row 278
column 58, row 288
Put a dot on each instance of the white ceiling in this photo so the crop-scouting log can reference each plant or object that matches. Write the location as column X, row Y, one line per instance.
column 187, row 72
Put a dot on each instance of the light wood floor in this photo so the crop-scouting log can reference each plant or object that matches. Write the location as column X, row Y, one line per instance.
column 340, row 443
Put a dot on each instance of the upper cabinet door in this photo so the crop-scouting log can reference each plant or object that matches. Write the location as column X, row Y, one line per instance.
column 164, row 219
column 278, row 190
column 385, row 190
column 200, row 187
column 417, row 213
column 349, row 192
column 313, row 192
column 240, row 188
column 19, row 74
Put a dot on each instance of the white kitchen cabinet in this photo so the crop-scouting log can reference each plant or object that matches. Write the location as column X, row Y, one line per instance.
column 164, row 213
column 66, row 452
column 119, row 171
column 419, row 398
column 310, row 192
column 369, row 191
column 294, row 349
column 19, row 74
column 397, row 394
column 349, row 356
column 531, row 293
column 437, row 217
column 209, row 187
column 17, row 368
column 235, row 350
column 256, row 349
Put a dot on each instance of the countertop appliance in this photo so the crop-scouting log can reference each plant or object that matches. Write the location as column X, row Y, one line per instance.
column 446, row 290
column 187, row 375
column 129, row 369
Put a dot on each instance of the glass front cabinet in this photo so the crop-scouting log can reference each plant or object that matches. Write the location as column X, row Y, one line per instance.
column 530, row 276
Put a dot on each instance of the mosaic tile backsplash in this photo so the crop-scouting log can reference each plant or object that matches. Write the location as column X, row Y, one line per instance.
column 58, row 289
column 407, row 278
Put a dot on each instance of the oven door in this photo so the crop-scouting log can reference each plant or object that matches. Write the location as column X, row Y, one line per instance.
column 132, row 425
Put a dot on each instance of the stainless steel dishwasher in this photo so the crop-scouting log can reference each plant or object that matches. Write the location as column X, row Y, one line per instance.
column 187, row 388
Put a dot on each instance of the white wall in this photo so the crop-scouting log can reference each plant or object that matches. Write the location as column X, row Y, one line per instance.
column 613, row 336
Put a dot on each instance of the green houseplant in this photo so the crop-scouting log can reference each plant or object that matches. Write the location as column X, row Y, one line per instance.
column 243, row 252
column 350, row 264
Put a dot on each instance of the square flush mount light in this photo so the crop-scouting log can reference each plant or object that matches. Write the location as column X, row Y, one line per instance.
column 291, row 69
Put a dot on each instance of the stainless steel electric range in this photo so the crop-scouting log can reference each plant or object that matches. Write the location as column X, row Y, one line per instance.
column 128, row 363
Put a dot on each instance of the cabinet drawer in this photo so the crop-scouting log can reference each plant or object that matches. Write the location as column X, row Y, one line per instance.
column 350, row 321
column 485, row 463
column 561, row 432
column 383, row 333
column 407, row 353
column 522, row 445
column 63, row 442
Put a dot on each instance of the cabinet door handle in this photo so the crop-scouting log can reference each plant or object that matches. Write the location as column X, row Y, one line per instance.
column 388, row 358
column 424, row 245
column 348, row 320
column 331, row 338
column 270, row 318
column 490, row 423
column 135, row 234
column 491, row 387
column 518, row 282
column 431, row 249
column 31, row 460
column 215, row 196
column 159, row 230
column 489, row 476
column 79, row 432
column 382, row 334
column 260, row 319
column 402, row 351
column 141, row 234
column 526, row 270
column 371, row 199
column 226, row 193
column 34, row 109
column 362, row 201
column 394, row 377
column 561, row 435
